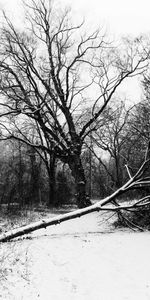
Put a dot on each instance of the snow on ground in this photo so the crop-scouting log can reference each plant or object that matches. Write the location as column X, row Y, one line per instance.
column 81, row 259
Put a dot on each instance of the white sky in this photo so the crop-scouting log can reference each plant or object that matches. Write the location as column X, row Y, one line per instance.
column 128, row 17
column 119, row 16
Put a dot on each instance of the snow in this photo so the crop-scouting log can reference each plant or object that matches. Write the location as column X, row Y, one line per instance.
column 82, row 259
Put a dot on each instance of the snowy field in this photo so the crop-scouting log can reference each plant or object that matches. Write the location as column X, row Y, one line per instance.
column 82, row 259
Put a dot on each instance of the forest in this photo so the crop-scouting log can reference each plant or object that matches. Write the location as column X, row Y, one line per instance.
column 74, row 152
column 68, row 136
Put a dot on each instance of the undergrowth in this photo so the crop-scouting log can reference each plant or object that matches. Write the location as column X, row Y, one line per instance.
column 139, row 218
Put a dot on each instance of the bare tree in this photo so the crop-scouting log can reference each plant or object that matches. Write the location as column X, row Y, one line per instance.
column 31, row 134
column 27, row 131
column 139, row 125
column 52, row 64
column 113, row 139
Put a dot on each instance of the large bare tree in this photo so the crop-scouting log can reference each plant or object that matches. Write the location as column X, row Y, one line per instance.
column 51, row 70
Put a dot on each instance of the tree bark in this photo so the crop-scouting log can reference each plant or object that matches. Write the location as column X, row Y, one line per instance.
column 77, row 170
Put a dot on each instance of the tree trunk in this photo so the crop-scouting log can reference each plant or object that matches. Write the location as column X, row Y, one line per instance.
column 51, row 196
column 20, row 177
column 51, row 169
column 77, row 170
column 35, row 176
column 5, row 237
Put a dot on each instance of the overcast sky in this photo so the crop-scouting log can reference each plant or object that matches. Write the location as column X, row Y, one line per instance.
column 120, row 17
column 128, row 17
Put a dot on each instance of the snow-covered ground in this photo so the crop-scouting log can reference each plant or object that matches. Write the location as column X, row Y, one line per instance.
column 81, row 259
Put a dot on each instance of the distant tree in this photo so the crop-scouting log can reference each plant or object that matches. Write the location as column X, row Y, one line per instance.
column 20, row 177
column 109, row 141
column 140, row 133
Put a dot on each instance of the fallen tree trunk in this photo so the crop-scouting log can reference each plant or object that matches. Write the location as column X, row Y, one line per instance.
column 72, row 215
column 45, row 223
column 137, row 181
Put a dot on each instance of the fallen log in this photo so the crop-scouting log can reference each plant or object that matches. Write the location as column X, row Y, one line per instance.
column 45, row 223
column 136, row 181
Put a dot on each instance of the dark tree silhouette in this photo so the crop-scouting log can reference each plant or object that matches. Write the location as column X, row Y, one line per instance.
column 49, row 71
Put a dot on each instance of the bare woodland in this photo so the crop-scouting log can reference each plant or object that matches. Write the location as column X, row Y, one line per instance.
column 60, row 109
